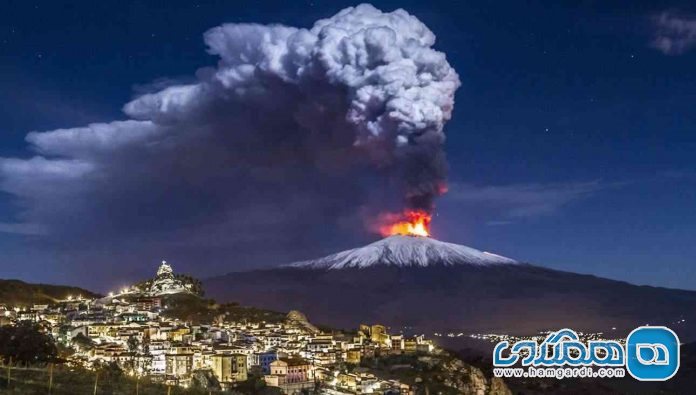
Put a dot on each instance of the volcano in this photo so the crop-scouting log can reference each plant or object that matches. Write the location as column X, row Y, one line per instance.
column 406, row 251
column 430, row 285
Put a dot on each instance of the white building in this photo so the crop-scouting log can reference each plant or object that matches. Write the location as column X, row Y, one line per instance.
column 166, row 283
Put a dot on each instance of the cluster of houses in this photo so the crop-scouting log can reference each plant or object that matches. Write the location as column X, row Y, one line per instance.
column 291, row 354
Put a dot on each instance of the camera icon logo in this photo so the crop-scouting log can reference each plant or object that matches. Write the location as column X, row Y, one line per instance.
column 652, row 353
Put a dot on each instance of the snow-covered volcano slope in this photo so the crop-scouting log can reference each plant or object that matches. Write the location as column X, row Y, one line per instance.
column 406, row 251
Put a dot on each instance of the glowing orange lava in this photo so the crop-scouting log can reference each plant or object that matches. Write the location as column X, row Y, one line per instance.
column 410, row 223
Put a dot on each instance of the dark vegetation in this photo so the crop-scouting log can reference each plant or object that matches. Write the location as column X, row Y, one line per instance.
column 191, row 308
column 196, row 284
column 109, row 379
column 430, row 374
column 26, row 343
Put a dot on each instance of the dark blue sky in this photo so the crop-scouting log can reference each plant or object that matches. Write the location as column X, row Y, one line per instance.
column 571, row 144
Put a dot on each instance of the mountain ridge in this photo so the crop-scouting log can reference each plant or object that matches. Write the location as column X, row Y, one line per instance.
column 475, row 298
column 20, row 293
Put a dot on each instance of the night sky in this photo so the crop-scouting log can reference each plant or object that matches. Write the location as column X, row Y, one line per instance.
column 571, row 143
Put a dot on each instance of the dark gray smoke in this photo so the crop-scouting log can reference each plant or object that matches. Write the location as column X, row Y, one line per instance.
column 293, row 126
column 361, row 76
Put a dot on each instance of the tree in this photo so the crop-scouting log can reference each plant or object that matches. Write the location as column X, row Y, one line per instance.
column 111, row 378
column 82, row 342
column 133, row 348
column 133, row 344
column 195, row 284
column 27, row 342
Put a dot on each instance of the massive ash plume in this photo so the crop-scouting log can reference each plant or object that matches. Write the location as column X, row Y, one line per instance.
column 293, row 126
column 361, row 76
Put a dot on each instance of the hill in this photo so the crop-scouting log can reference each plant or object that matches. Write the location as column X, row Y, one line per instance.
column 197, row 310
column 20, row 293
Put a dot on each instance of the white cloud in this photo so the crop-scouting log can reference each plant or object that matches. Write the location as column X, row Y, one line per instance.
column 517, row 201
column 93, row 139
column 26, row 229
column 674, row 34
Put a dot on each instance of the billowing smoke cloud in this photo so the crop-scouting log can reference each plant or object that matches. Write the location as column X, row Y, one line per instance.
column 293, row 128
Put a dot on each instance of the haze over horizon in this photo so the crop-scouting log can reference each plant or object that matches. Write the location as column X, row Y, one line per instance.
column 570, row 145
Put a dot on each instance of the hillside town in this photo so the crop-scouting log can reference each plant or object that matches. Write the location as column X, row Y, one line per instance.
column 132, row 330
